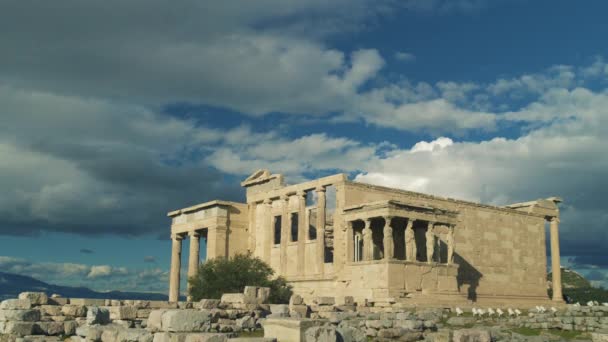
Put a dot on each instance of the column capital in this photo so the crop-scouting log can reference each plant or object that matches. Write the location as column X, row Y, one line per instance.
column 177, row 237
column 301, row 193
column 387, row 219
column 267, row 201
column 554, row 219
column 320, row 188
column 431, row 224
column 194, row 234
column 285, row 198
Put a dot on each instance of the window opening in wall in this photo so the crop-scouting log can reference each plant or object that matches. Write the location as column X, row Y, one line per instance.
column 277, row 230
column 294, row 227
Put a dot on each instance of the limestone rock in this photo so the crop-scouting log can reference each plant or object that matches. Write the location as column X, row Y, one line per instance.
column 209, row 337
column 155, row 320
column 74, row 310
column 599, row 337
column 18, row 328
column 134, row 335
column 280, row 310
column 97, row 315
column 208, row 304
column 50, row 310
column 49, row 328
column 16, row 304
column 460, row 321
column 320, row 334
column 246, row 322
column 36, row 298
column 70, row 327
column 185, row 320
column 349, row 334
column 237, row 298
column 20, row 315
column 122, row 312
column 296, row 300
column 324, row 301
column 471, row 335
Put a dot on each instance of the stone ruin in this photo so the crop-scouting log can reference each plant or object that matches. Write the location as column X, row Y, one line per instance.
column 241, row 317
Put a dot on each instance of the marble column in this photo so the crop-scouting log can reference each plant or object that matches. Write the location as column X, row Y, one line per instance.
column 410, row 241
column 555, row 260
column 285, row 232
column 389, row 244
column 368, row 244
column 176, row 264
column 193, row 258
column 301, row 230
column 268, row 229
column 321, row 228
column 350, row 245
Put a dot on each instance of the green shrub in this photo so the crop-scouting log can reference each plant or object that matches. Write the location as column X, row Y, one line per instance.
column 220, row 275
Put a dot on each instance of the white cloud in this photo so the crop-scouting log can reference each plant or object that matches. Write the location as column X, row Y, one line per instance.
column 102, row 271
column 436, row 144
column 404, row 56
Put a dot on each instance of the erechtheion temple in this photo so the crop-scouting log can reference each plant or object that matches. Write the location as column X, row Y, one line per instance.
column 332, row 236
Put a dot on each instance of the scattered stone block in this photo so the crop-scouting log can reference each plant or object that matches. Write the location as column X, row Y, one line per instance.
column 155, row 320
column 23, row 315
column 50, row 310
column 230, row 298
column 49, row 328
column 207, row 304
column 321, row 334
column 324, row 301
column 58, row 301
column 97, row 315
column 246, row 322
column 36, row 298
column 185, row 320
column 472, row 335
column 296, row 300
column 208, row 337
column 460, row 321
column 133, row 335
column 288, row 330
column 279, row 310
column 70, row 327
column 74, row 310
column 16, row 304
column 87, row 301
column 263, row 294
column 18, row 328
column 122, row 312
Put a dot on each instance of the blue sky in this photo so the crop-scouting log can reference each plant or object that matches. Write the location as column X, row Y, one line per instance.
column 114, row 113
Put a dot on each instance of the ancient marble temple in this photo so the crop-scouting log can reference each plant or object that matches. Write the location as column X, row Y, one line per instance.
column 336, row 237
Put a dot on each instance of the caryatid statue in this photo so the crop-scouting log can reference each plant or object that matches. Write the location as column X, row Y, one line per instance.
column 389, row 246
column 430, row 243
column 410, row 242
column 368, row 244
column 450, row 243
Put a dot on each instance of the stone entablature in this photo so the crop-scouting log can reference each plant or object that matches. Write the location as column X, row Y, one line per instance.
column 323, row 235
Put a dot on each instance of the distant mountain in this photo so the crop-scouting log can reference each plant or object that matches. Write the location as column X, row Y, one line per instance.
column 571, row 279
column 13, row 284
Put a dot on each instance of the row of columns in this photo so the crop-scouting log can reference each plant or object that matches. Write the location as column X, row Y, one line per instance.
column 389, row 242
column 176, row 261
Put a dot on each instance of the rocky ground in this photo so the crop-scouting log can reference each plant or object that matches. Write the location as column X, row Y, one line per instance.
column 246, row 317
